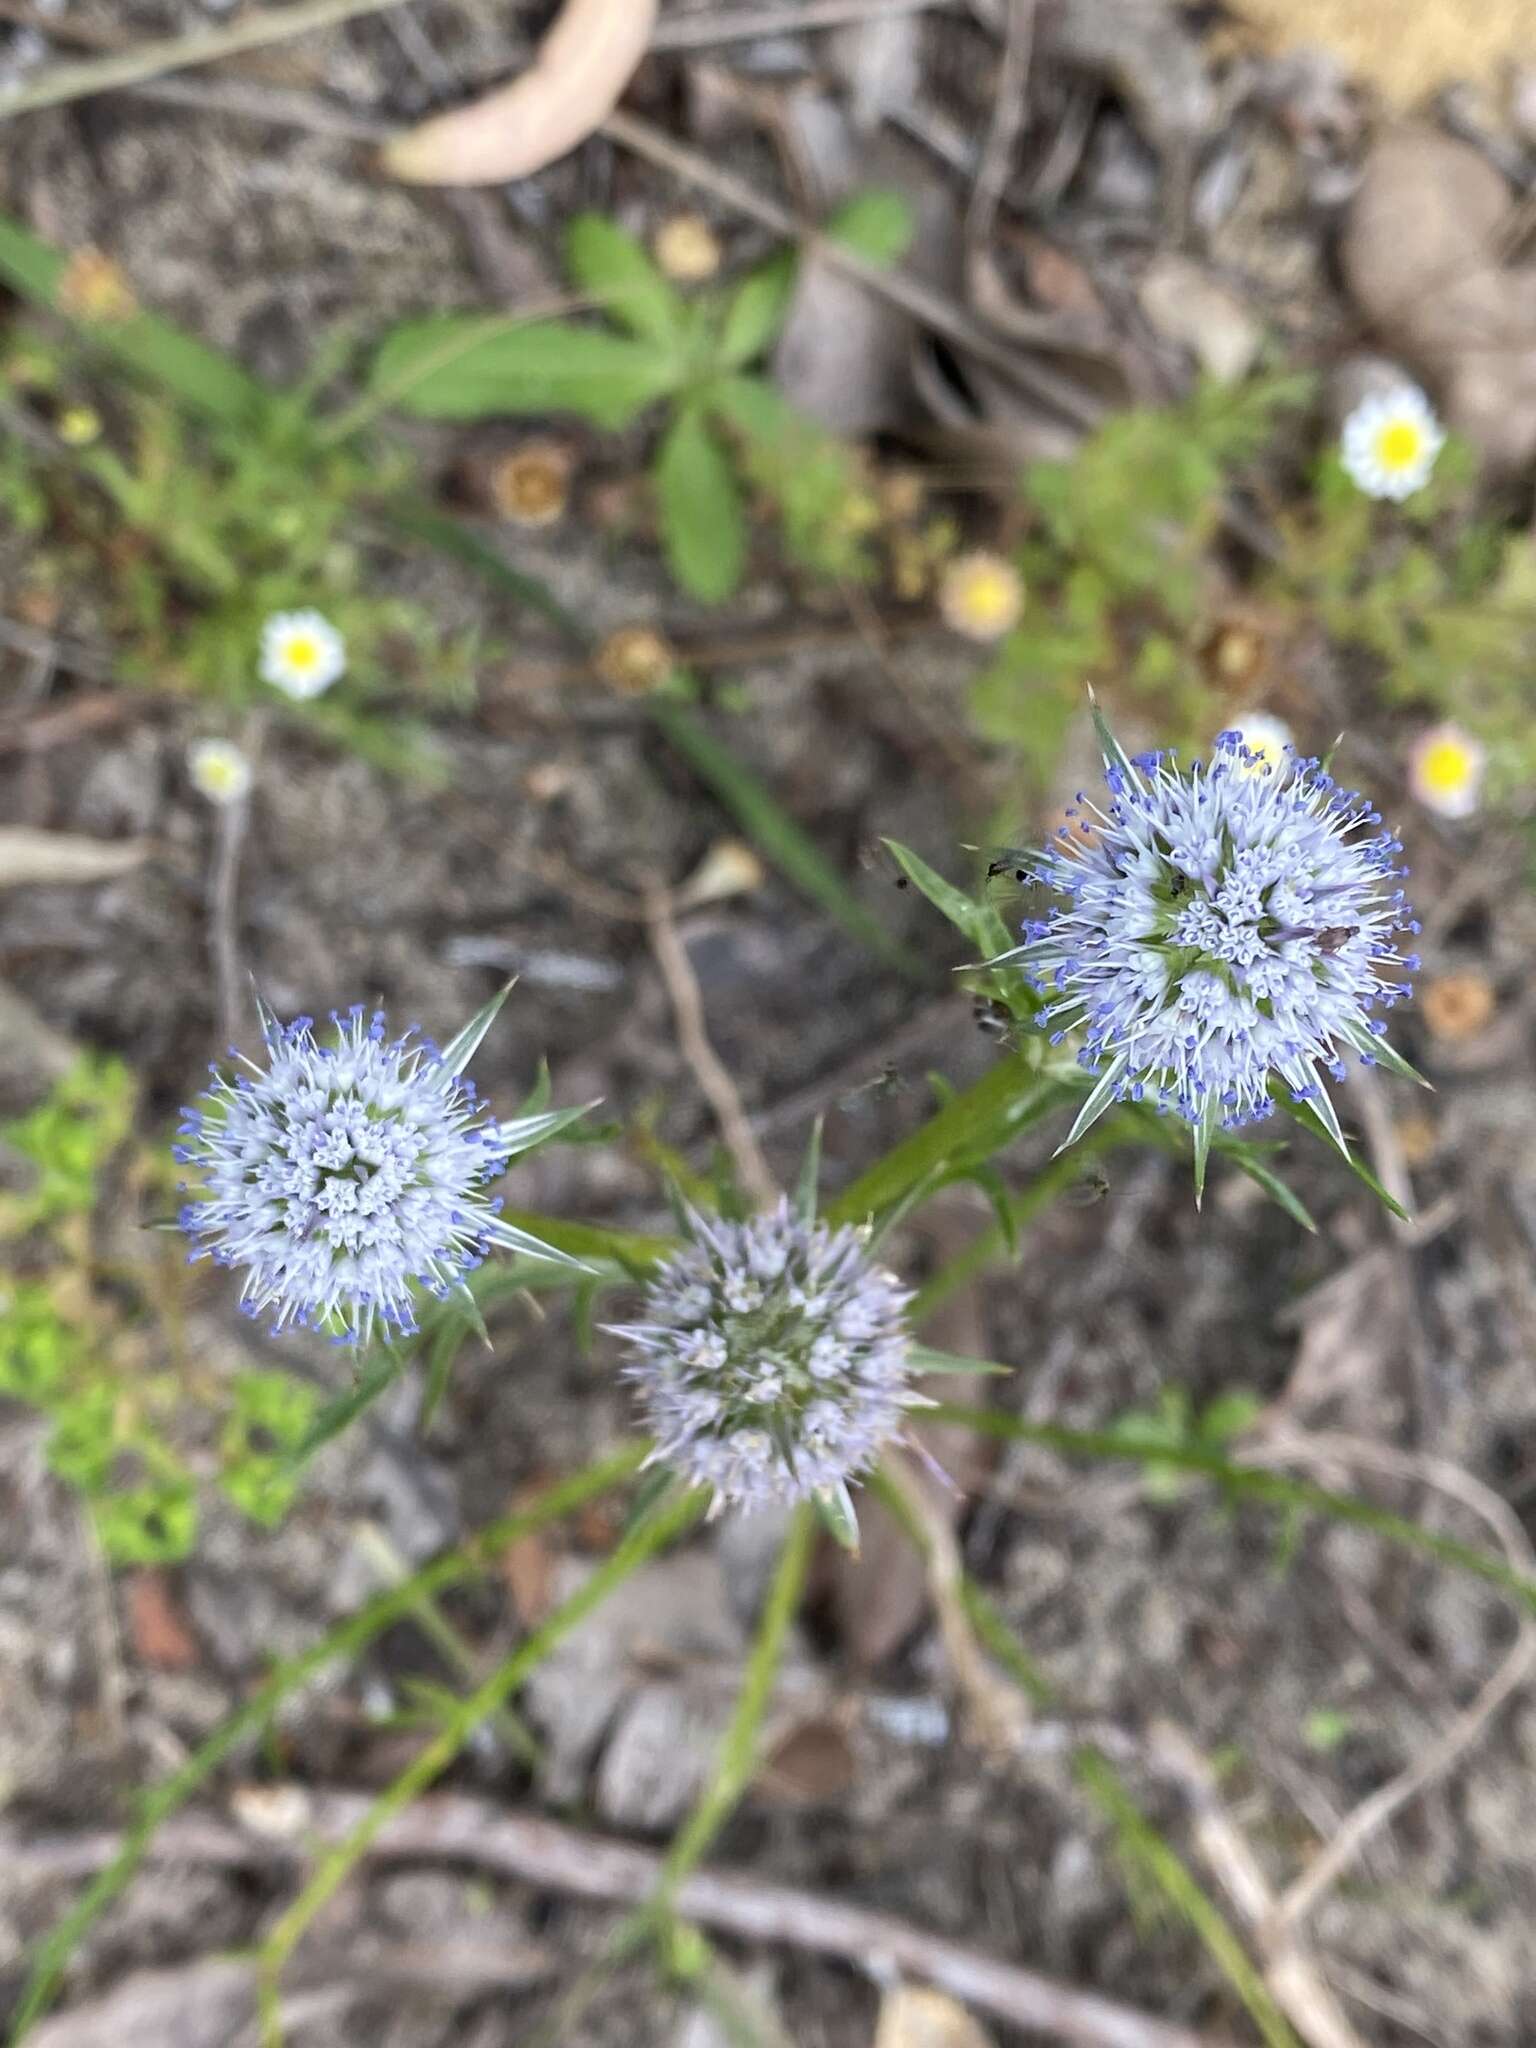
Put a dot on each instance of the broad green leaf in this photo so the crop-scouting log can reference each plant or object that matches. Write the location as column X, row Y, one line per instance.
column 613, row 268
column 183, row 366
column 755, row 409
column 702, row 521
column 468, row 366
column 775, row 834
column 979, row 921
column 877, row 225
column 755, row 311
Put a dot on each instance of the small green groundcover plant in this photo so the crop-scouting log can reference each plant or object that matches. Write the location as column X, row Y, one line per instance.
column 692, row 355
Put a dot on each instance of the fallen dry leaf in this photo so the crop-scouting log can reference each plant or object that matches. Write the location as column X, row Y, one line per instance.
column 911, row 2017
column 1406, row 51
column 157, row 1630
column 573, row 85
column 33, row 857
column 811, row 1765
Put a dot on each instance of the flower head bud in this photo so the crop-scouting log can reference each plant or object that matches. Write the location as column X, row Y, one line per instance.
column 773, row 1359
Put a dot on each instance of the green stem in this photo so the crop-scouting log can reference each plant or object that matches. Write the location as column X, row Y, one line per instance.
column 348, row 1640
column 641, row 1542
column 737, row 1760
column 1141, row 1843
column 1253, row 1482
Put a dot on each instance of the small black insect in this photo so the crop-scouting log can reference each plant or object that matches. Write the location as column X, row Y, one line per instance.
column 1331, row 940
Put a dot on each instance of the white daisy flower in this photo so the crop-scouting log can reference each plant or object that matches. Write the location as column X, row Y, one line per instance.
column 1445, row 771
column 219, row 771
column 1390, row 441
column 1265, row 737
column 302, row 653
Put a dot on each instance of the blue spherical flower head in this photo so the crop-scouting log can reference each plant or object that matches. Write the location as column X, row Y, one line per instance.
column 773, row 1361
column 344, row 1174
column 1228, row 928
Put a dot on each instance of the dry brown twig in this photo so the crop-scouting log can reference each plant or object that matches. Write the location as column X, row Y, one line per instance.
column 458, row 1828
column 1373, row 1812
column 693, row 1038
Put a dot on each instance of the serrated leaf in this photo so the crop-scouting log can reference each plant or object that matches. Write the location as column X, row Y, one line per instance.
column 980, row 921
column 702, row 521
column 467, row 366
column 755, row 312
column 614, row 269
column 877, row 225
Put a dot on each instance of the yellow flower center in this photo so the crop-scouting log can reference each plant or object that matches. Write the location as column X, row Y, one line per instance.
column 302, row 653
column 1446, row 768
column 1399, row 445
column 988, row 596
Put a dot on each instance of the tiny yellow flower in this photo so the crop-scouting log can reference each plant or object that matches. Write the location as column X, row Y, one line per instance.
column 94, row 288
column 635, row 659
column 78, row 426
column 219, row 771
column 1445, row 771
column 1390, row 442
column 302, row 653
column 981, row 595
column 532, row 485
column 1265, row 736
column 687, row 249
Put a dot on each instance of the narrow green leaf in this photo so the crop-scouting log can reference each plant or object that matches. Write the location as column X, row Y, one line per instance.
column 186, row 368
column 1247, row 1158
column 980, row 921
column 525, row 1133
column 1204, row 1131
column 1109, row 746
column 1305, row 1114
column 877, row 225
column 702, row 521
column 467, row 366
column 591, row 1242
column 465, row 1043
column 613, row 268
column 807, row 1185
column 834, row 1506
column 450, row 538
column 1099, row 1099
column 923, row 1358
column 775, row 834
column 1007, row 1101
column 377, row 1376
column 755, row 311
column 1252, row 1482
column 656, row 1482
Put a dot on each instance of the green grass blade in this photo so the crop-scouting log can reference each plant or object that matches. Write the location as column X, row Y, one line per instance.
column 670, row 1521
column 186, row 368
column 450, row 537
column 349, row 1639
column 737, row 1760
column 776, row 835
column 1142, row 1845
column 1248, row 1482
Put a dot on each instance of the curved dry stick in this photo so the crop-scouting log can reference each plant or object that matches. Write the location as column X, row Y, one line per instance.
column 1374, row 1812
column 463, row 1829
